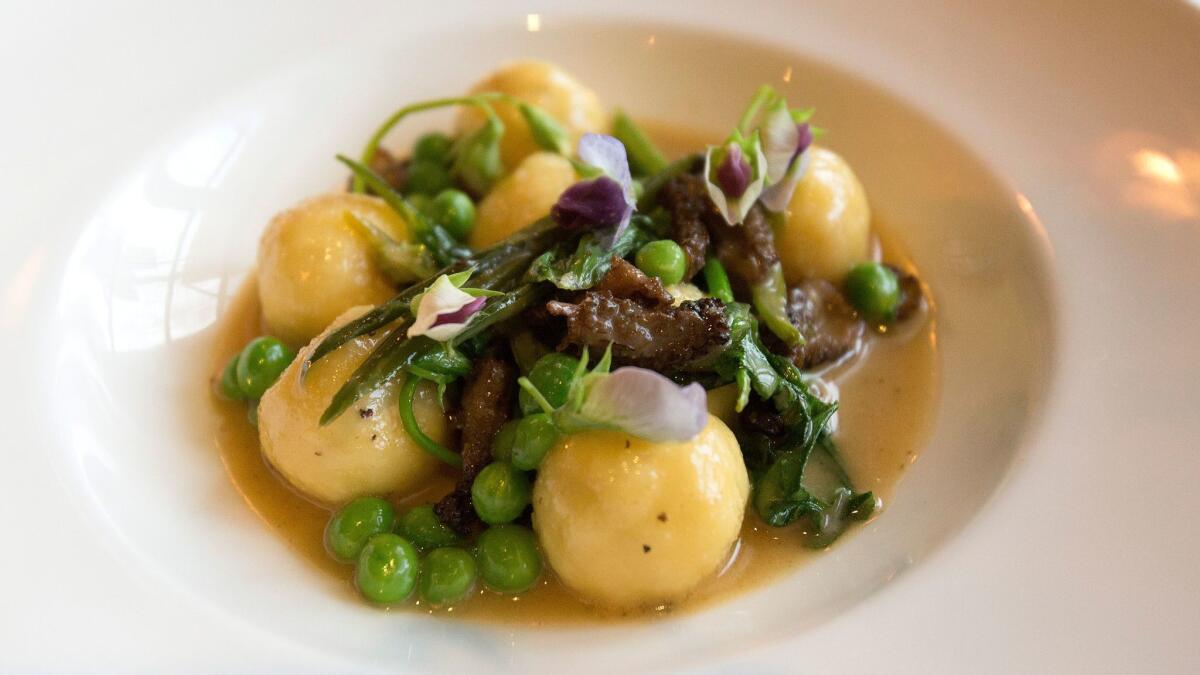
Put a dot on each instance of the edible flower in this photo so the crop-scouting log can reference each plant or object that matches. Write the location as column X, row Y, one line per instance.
column 606, row 200
column 734, row 174
column 785, row 145
column 637, row 401
column 645, row 404
column 444, row 310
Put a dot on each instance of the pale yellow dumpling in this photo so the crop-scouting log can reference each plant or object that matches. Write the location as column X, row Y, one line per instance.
column 828, row 225
column 547, row 86
column 521, row 197
column 630, row 523
column 366, row 451
column 313, row 265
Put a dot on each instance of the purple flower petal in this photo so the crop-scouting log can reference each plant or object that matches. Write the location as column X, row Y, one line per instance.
column 734, row 209
column 777, row 195
column 646, row 404
column 461, row 315
column 779, row 137
column 444, row 310
column 591, row 204
column 804, row 138
column 734, row 173
column 608, row 154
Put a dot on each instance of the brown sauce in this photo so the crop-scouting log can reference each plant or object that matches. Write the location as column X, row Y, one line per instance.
column 887, row 395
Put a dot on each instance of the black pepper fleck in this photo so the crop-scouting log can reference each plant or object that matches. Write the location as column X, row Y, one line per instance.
column 645, row 548
column 627, row 443
column 366, row 413
column 663, row 516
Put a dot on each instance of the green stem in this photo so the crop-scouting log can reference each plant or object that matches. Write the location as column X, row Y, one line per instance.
column 717, row 281
column 645, row 159
column 372, row 146
column 532, row 390
column 414, row 430
column 764, row 93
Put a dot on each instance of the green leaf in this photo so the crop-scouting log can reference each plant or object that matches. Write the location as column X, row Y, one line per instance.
column 770, row 299
column 779, row 498
column 591, row 258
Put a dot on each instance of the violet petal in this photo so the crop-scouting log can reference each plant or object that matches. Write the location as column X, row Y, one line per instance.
column 437, row 305
column 777, row 197
column 608, row 154
column 461, row 315
column 733, row 174
column 645, row 404
column 591, row 204
column 804, row 138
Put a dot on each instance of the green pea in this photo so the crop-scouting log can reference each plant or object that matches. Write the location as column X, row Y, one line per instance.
column 356, row 522
column 552, row 376
column 500, row 493
column 260, row 364
column 228, row 386
column 433, row 147
column 508, row 558
column 426, row 178
column 419, row 202
column 502, row 444
column 663, row 259
column 447, row 575
column 874, row 291
column 422, row 527
column 387, row 569
column 453, row 210
column 536, row 434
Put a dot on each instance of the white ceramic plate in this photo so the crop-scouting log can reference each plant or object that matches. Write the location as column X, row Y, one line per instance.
column 1041, row 162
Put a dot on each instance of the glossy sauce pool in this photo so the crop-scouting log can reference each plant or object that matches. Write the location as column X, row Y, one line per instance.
column 887, row 395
